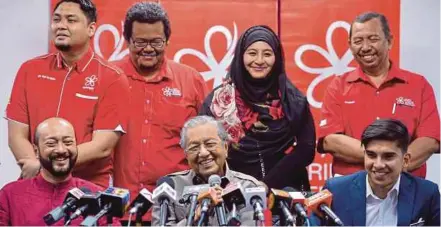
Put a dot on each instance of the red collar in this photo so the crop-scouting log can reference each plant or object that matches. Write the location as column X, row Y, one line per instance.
column 79, row 65
column 131, row 72
column 394, row 73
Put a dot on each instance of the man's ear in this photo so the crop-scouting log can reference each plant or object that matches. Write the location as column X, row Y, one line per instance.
column 37, row 152
column 406, row 160
column 390, row 42
column 92, row 29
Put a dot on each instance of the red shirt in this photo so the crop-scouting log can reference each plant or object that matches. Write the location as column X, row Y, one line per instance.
column 352, row 102
column 26, row 202
column 92, row 95
column 159, row 108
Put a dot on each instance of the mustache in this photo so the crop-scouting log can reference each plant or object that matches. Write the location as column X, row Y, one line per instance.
column 153, row 53
column 55, row 156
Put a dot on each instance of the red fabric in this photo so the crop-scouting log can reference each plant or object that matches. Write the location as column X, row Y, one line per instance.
column 159, row 108
column 25, row 202
column 352, row 102
column 92, row 97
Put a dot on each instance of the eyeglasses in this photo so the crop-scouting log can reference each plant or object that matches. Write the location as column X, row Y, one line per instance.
column 154, row 43
column 194, row 149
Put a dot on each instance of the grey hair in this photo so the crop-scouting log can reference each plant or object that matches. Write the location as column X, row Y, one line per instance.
column 367, row 16
column 201, row 120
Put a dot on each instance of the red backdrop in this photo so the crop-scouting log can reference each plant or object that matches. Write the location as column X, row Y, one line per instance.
column 204, row 33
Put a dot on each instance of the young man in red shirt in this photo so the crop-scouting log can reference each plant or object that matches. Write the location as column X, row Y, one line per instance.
column 73, row 83
column 377, row 89
column 164, row 94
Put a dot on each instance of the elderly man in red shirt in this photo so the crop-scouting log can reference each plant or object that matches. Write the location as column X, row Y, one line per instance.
column 73, row 83
column 164, row 94
column 377, row 89
column 25, row 202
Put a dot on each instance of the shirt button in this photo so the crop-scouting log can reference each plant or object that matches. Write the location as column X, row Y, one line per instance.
column 147, row 101
column 378, row 118
column 144, row 140
column 146, row 121
column 143, row 163
column 377, row 92
column 141, row 185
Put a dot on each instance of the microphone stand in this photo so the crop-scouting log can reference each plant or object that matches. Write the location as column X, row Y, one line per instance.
column 138, row 219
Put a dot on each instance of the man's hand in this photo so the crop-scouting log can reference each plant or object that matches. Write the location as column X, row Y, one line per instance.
column 216, row 197
column 29, row 167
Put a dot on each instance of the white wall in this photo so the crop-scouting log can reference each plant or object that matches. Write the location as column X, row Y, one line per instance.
column 24, row 25
column 24, row 30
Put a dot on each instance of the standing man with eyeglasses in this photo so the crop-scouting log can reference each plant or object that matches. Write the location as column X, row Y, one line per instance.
column 164, row 94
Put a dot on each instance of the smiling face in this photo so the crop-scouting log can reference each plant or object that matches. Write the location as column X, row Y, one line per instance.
column 56, row 147
column 369, row 45
column 384, row 162
column 70, row 28
column 259, row 59
column 206, row 153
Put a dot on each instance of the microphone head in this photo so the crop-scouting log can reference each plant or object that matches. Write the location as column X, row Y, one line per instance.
column 233, row 194
column 72, row 196
column 253, row 195
column 145, row 198
column 214, row 180
column 118, row 198
column 164, row 190
column 313, row 202
column 275, row 197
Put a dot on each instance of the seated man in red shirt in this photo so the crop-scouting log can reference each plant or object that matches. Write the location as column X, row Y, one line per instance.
column 377, row 89
column 26, row 202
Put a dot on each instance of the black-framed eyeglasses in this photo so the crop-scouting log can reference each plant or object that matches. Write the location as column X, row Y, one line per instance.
column 154, row 43
column 210, row 146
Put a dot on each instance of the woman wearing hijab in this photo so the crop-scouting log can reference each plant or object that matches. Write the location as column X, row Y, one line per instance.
column 268, row 119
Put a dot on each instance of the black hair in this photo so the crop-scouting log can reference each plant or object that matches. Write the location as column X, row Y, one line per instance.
column 86, row 6
column 146, row 12
column 389, row 130
column 367, row 16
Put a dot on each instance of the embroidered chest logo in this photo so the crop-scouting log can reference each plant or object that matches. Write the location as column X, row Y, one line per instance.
column 46, row 77
column 90, row 82
column 405, row 102
column 170, row 92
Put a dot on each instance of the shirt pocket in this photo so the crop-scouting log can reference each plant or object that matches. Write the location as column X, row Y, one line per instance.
column 408, row 115
column 171, row 114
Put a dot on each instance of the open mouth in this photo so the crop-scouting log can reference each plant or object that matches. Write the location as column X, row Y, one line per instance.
column 380, row 174
column 369, row 57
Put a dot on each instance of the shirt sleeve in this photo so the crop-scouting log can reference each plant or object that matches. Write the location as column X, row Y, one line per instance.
column 4, row 209
column 17, row 109
column 113, row 106
column 331, row 120
column 428, row 125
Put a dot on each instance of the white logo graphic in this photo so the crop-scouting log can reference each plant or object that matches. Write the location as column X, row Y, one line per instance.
column 46, row 77
column 169, row 92
column 218, row 70
column 90, row 82
column 338, row 66
column 118, row 53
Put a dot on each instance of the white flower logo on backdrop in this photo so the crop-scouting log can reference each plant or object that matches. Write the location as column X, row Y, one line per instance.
column 218, row 70
column 118, row 53
column 338, row 66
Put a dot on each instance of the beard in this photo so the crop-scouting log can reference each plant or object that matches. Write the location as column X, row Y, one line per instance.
column 63, row 47
column 56, row 171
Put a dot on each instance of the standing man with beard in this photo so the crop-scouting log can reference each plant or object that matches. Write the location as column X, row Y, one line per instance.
column 25, row 202
column 73, row 83
column 377, row 89
column 163, row 94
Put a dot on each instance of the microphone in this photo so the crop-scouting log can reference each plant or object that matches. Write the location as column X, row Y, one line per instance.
column 215, row 180
column 298, row 199
column 114, row 202
column 234, row 200
column 60, row 212
column 280, row 203
column 319, row 203
column 206, row 198
column 88, row 205
column 256, row 198
column 142, row 203
column 163, row 194
column 190, row 195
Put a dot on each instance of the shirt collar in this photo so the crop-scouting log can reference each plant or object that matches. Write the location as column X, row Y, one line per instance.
column 48, row 186
column 164, row 71
column 394, row 73
column 225, row 180
column 370, row 193
column 79, row 65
